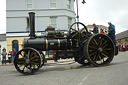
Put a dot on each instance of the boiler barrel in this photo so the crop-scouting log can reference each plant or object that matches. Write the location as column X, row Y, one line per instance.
column 44, row 44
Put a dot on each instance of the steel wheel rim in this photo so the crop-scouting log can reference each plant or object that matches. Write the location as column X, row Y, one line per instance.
column 100, row 50
column 27, row 61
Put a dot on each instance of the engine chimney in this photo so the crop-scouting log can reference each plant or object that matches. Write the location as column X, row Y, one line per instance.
column 32, row 24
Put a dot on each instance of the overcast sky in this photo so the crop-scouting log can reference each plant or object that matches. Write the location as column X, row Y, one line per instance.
column 93, row 11
column 101, row 12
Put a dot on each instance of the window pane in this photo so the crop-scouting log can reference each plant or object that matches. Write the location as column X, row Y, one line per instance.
column 29, row 5
column 53, row 5
column 69, row 22
column 29, row 1
column 53, row 20
column 53, row 25
column 68, row 4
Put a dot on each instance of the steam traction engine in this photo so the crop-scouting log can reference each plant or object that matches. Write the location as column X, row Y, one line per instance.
column 78, row 43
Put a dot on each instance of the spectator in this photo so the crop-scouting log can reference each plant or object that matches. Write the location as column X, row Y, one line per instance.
column 4, row 56
column 101, row 31
column 3, row 49
column 125, row 46
column 111, row 32
column 95, row 29
column 14, row 54
column 9, row 56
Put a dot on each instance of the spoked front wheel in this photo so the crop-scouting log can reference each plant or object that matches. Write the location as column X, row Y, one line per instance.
column 27, row 61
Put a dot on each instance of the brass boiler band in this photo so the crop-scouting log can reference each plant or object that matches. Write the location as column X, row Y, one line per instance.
column 44, row 44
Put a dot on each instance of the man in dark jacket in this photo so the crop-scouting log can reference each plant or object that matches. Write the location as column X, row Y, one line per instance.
column 14, row 54
column 111, row 32
column 95, row 29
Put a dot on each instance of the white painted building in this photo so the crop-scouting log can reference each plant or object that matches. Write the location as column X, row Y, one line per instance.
column 59, row 13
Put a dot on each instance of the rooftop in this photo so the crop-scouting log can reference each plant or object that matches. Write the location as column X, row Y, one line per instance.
column 2, row 37
column 99, row 26
column 121, row 35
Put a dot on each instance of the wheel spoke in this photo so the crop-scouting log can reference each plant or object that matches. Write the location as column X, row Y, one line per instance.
column 28, row 54
column 105, row 55
column 92, row 47
column 94, row 57
column 101, row 42
column 25, row 55
column 34, row 63
column 95, row 42
column 104, row 42
column 32, row 57
column 22, row 56
column 100, row 58
column 21, row 65
column 105, row 46
column 75, row 34
column 21, row 59
column 22, row 62
column 93, row 53
column 24, row 67
column 35, row 60
column 107, row 49
column 91, row 50
column 74, row 30
column 105, row 52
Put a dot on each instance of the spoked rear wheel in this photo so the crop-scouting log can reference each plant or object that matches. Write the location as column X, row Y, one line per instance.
column 28, row 61
column 99, row 50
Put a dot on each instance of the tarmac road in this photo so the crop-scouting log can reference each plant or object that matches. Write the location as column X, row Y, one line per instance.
column 70, row 74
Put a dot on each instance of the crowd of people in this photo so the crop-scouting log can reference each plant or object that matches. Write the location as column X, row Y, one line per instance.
column 11, row 55
column 111, row 31
column 123, row 46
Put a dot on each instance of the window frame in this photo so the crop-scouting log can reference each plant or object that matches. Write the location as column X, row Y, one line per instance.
column 53, row 23
column 29, row 4
column 69, row 22
column 53, row 3
column 69, row 4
